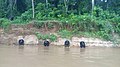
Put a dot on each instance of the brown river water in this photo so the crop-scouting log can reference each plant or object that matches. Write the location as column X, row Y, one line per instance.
column 58, row 56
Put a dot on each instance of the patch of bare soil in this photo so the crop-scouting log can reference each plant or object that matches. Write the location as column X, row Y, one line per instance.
column 10, row 36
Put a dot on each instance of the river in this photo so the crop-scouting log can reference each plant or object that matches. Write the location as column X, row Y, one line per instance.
column 58, row 56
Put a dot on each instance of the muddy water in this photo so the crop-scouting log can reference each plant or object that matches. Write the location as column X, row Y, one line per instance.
column 54, row 56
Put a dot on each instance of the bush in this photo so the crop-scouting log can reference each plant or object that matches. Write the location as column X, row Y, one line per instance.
column 4, row 23
column 52, row 37
column 116, row 23
column 50, row 25
column 39, row 36
column 104, row 35
column 65, row 34
column 38, row 24
column 24, row 18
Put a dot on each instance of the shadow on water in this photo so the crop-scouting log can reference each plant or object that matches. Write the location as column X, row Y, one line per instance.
column 21, row 47
column 46, row 50
column 82, row 50
column 67, row 50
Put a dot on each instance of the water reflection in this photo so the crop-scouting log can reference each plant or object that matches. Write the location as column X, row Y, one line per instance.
column 21, row 47
column 82, row 50
column 46, row 49
column 66, row 49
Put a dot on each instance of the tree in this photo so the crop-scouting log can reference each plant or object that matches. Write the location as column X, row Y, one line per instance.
column 66, row 7
column 33, row 9
column 2, row 9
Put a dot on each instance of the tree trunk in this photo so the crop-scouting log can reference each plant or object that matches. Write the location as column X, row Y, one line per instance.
column 92, row 6
column 46, row 3
column 66, row 8
column 33, row 9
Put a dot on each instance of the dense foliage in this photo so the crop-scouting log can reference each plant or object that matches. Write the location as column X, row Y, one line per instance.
column 75, row 17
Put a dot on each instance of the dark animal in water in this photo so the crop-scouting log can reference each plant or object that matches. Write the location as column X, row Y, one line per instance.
column 46, row 43
column 67, row 43
column 21, row 42
column 82, row 44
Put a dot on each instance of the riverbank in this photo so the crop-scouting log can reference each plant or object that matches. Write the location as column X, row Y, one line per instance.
column 12, row 39
column 27, row 32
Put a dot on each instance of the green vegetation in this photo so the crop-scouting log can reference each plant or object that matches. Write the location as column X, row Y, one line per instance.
column 51, row 37
column 80, row 20
column 65, row 34
column 4, row 23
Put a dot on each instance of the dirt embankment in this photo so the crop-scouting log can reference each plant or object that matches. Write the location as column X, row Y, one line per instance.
column 10, row 36
column 27, row 32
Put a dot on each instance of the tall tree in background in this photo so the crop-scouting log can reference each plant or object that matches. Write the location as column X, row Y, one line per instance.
column 33, row 9
column 2, row 8
column 66, row 7
column 46, row 3
column 11, row 9
column 22, row 6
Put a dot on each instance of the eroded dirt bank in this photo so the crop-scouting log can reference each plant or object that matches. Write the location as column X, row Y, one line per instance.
column 27, row 32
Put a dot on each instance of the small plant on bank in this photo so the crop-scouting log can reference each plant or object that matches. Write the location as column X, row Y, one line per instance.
column 5, row 23
column 51, row 37
column 65, row 34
